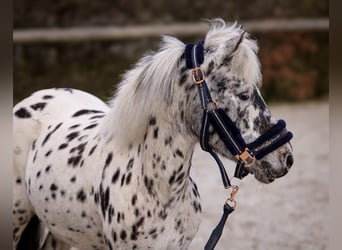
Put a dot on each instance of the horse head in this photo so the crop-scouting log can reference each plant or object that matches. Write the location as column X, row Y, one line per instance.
column 232, row 73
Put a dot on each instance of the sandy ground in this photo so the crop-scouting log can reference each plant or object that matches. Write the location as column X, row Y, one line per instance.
column 290, row 213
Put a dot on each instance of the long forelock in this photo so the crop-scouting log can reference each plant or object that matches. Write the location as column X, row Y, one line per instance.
column 143, row 90
column 244, row 62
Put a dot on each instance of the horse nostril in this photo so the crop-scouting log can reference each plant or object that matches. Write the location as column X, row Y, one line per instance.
column 289, row 161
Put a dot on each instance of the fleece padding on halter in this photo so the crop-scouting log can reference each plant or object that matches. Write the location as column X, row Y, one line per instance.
column 190, row 64
column 272, row 139
column 246, row 154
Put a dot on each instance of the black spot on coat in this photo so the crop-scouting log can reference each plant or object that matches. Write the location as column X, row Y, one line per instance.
column 74, row 160
column 168, row 141
column 155, row 133
column 91, row 126
column 134, row 199
column 123, row 234
column 85, row 112
column 92, row 150
column 48, row 153
column 96, row 117
column 152, row 120
column 81, row 196
column 130, row 164
column 62, row 146
column 34, row 144
column 50, row 133
column 128, row 179
column 46, row 97
column 116, row 176
column 109, row 159
column 22, row 113
column 47, row 169
column 53, row 187
column 179, row 153
column 74, row 126
column 72, row 136
column 104, row 196
column 38, row 106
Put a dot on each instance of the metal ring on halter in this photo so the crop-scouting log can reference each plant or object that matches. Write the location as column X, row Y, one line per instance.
column 197, row 75
column 213, row 102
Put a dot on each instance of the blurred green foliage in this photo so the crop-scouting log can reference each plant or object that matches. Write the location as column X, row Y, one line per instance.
column 294, row 64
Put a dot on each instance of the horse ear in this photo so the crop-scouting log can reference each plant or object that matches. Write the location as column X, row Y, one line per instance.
column 232, row 45
column 239, row 41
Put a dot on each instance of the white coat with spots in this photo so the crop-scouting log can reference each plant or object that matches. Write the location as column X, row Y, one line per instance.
column 116, row 176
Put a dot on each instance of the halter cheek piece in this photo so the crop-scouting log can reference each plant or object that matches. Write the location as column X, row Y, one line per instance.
column 246, row 154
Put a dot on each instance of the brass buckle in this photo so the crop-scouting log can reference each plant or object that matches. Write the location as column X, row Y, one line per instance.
column 197, row 75
column 246, row 158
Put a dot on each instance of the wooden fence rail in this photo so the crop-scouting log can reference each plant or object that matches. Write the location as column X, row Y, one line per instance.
column 134, row 32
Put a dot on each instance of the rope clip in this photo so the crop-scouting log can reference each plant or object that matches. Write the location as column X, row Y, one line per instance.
column 231, row 199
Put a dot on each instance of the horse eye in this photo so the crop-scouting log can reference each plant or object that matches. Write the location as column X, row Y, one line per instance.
column 243, row 96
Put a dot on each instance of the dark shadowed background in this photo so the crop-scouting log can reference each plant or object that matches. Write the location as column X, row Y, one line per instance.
column 294, row 64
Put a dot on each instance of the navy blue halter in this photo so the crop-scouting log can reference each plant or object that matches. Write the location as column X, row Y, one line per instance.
column 214, row 116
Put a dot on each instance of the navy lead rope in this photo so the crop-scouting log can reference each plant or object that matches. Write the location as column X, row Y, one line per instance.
column 246, row 154
column 217, row 232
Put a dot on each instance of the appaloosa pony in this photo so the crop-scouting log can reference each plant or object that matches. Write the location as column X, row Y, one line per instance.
column 117, row 176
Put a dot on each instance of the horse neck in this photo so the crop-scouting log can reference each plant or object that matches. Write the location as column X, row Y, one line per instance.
column 165, row 154
column 147, row 117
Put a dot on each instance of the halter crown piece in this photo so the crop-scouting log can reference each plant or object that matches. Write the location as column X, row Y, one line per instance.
column 213, row 115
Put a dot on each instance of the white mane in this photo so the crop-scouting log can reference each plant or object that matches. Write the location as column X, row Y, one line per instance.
column 149, row 87
column 144, row 90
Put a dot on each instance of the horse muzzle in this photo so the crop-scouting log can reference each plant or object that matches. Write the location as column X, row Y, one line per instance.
column 274, row 165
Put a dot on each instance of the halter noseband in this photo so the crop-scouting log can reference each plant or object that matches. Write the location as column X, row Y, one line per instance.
column 213, row 115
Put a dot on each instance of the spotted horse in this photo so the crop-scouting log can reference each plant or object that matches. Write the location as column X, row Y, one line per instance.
column 117, row 176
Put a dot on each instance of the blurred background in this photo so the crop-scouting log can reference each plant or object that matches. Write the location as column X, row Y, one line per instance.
column 294, row 60
column 71, row 43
